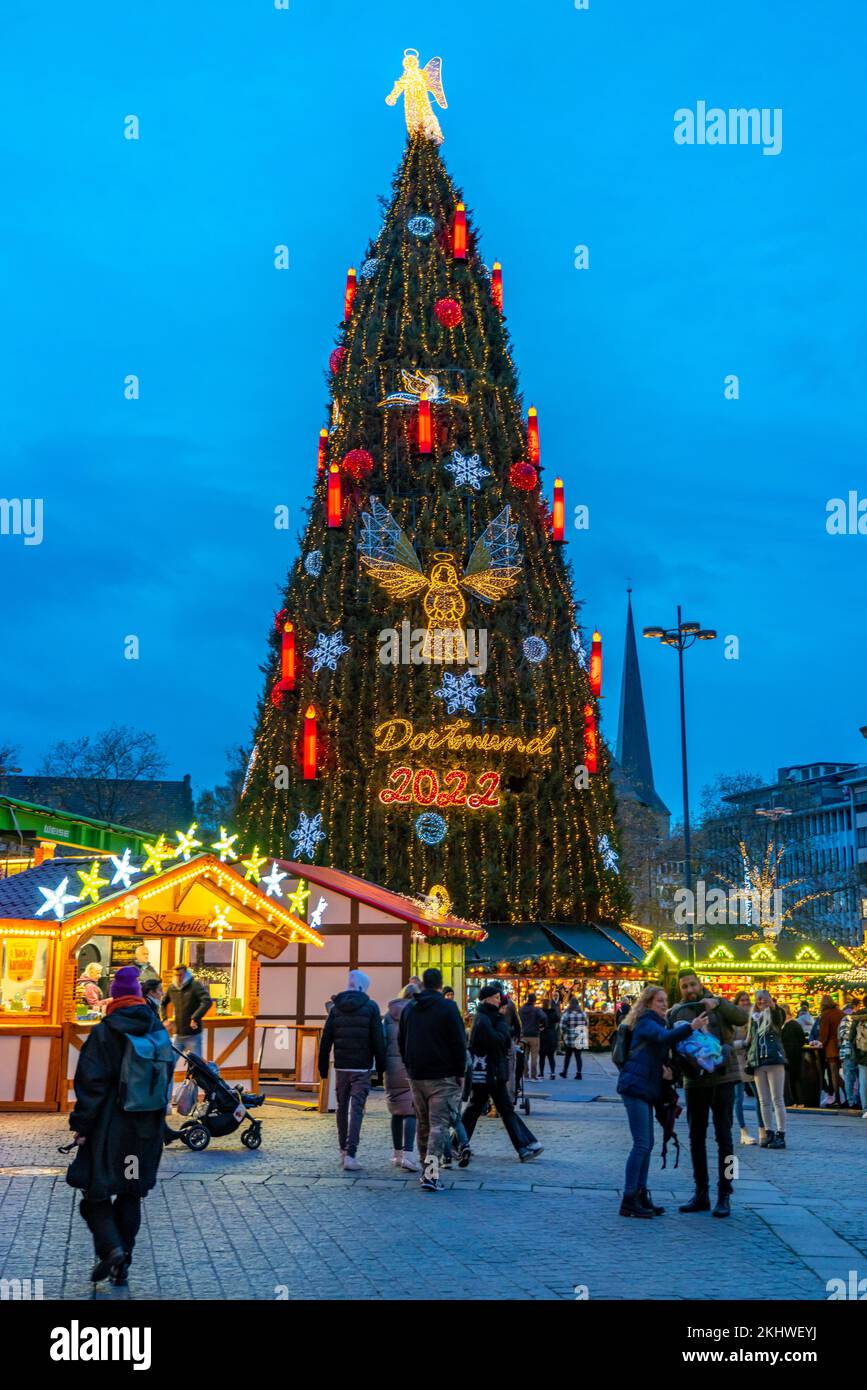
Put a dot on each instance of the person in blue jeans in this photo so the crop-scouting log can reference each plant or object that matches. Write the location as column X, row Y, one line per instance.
column 640, row 1085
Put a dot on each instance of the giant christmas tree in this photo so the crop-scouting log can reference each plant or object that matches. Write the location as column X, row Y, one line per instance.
column 427, row 710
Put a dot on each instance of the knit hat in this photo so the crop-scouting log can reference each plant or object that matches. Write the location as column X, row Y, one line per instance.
column 488, row 991
column 126, row 981
column 358, row 980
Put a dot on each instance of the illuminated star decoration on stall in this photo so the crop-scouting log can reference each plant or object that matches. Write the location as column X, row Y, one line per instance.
column 459, row 692
column 124, row 869
column 156, row 853
column 187, row 842
column 225, row 845
column 91, row 882
column 297, row 901
column 467, row 470
column 313, row 563
column 491, row 573
column 56, row 900
column 417, row 85
column 609, row 854
column 307, row 834
column 254, row 864
column 271, row 882
column 327, row 650
column 316, row 919
column 578, row 648
column 221, row 919
column 422, row 387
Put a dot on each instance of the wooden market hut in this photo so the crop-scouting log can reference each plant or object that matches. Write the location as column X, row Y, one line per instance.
column 69, row 912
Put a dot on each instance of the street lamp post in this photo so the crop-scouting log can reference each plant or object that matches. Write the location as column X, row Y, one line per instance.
column 682, row 638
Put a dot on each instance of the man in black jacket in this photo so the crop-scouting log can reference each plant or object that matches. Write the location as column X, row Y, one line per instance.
column 190, row 1002
column 710, row 1093
column 433, row 1045
column 490, row 1043
column 354, row 1029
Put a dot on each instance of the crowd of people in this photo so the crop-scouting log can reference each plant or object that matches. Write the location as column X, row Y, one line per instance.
column 760, row 1045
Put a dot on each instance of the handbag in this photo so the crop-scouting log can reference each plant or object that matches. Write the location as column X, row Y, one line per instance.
column 185, row 1096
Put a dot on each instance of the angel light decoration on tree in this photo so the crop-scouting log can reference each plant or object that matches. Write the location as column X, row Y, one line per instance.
column 418, row 85
column 491, row 573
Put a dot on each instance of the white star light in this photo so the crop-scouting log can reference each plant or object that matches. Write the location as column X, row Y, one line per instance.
column 326, row 650
column 459, row 692
column 609, row 854
column 56, row 900
column 316, row 919
column 125, row 869
column 307, row 834
column 467, row 470
column 271, row 882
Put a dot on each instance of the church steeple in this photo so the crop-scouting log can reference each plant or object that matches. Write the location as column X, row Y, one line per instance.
column 633, row 745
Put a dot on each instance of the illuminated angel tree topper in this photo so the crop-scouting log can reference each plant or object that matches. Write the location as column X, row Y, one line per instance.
column 451, row 760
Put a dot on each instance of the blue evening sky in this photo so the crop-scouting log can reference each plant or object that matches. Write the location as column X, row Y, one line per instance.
column 261, row 126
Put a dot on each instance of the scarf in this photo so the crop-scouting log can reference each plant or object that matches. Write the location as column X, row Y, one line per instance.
column 126, row 1001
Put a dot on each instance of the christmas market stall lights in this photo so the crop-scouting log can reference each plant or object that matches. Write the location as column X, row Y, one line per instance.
column 792, row 967
column 68, row 924
column 598, row 964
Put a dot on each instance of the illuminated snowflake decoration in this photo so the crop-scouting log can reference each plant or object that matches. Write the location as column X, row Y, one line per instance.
column 430, row 828
column 467, row 470
column 421, row 225
column 578, row 648
column 313, row 563
column 609, row 854
column 459, row 692
column 369, row 268
column 535, row 649
column 307, row 834
column 327, row 651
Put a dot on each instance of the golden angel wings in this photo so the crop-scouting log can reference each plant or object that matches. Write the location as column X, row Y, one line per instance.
column 418, row 84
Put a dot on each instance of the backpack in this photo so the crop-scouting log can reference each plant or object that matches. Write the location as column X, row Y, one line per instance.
column 146, row 1071
column 622, row 1046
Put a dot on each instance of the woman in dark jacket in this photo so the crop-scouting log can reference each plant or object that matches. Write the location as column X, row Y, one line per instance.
column 766, row 1059
column 490, row 1043
column 794, row 1043
column 548, row 1037
column 118, row 1151
column 640, row 1085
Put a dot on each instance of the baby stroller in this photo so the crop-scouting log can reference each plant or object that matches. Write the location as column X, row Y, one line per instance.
column 224, row 1108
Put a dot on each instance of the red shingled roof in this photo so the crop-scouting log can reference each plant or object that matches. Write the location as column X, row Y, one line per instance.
column 384, row 900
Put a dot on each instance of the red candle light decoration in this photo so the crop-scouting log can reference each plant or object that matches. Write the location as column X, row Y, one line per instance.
column 558, row 515
column 287, row 657
column 309, row 744
column 322, row 453
column 425, row 432
column 335, row 497
column 591, row 740
column 459, row 234
column 349, row 295
column 596, row 665
column 497, row 285
column 533, row 451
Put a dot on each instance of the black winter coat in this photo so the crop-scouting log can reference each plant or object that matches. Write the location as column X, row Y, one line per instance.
column 491, row 1038
column 190, row 1003
column 354, row 1029
column 113, row 1135
column 432, row 1038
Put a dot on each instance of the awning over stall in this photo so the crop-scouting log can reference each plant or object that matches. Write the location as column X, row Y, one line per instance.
column 525, row 943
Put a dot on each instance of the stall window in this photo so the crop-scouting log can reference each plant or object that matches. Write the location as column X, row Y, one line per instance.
column 24, row 975
column 220, row 965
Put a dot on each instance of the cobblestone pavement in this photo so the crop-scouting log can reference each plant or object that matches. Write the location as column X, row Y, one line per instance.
column 286, row 1222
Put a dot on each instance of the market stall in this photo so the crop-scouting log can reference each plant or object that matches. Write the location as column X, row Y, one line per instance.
column 601, row 965
column 67, row 925
column 792, row 967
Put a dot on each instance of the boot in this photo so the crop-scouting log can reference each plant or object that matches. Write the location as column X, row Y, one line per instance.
column 631, row 1206
column 723, row 1205
column 407, row 1161
column 646, row 1200
column 699, row 1201
column 746, row 1137
column 765, row 1137
column 778, row 1140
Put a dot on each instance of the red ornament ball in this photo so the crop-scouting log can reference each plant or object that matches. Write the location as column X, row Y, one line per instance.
column 277, row 694
column 523, row 476
column 358, row 462
column 336, row 358
column 449, row 312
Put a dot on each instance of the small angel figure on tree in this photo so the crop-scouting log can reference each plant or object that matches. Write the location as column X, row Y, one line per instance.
column 418, row 85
